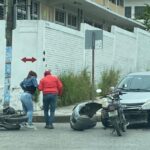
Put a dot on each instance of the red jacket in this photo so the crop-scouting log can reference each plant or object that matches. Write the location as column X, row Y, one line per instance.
column 50, row 84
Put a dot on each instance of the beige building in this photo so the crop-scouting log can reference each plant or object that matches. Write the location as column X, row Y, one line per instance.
column 114, row 5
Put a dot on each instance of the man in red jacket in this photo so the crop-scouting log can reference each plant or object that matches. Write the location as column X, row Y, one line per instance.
column 51, row 86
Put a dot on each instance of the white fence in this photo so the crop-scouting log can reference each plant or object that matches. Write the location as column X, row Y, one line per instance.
column 64, row 49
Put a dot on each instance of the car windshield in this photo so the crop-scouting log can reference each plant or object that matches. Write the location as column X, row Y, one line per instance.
column 135, row 83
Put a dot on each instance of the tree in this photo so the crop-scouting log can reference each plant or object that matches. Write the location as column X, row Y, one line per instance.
column 146, row 17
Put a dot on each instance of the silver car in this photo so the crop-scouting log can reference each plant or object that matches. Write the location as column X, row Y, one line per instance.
column 136, row 100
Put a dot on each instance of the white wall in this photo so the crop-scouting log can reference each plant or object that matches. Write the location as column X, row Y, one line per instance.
column 65, row 50
column 2, row 57
column 143, row 49
column 27, row 42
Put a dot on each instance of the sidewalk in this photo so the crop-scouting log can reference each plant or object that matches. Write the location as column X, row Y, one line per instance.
column 62, row 114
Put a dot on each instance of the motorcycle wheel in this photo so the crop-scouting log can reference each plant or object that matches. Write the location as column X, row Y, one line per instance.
column 116, row 126
column 16, row 119
column 104, row 118
column 9, row 126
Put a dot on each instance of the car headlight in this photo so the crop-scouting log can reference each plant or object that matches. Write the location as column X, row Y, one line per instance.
column 146, row 105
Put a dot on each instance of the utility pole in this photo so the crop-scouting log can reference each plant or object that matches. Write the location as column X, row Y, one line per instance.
column 10, row 25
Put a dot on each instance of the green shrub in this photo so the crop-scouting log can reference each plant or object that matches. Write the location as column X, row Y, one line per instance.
column 108, row 79
column 76, row 88
column 36, row 96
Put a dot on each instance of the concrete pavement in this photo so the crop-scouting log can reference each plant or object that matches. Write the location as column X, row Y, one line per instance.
column 62, row 114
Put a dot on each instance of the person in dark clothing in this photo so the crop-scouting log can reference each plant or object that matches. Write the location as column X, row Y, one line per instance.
column 51, row 86
column 29, row 85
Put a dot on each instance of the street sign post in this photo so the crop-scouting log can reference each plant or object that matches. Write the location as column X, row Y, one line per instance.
column 93, row 40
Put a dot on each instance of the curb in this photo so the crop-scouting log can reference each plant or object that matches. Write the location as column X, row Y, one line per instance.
column 58, row 119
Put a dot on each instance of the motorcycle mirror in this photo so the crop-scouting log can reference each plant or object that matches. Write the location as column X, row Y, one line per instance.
column 98, row 91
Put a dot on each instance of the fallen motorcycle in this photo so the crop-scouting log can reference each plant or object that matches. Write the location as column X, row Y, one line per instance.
column 112, row 113
column 84, row 116
column 11, row 119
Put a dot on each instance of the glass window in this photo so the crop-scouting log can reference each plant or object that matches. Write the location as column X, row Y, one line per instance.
column 128, row 12
column 137, row 82
column 60, row 16
column 121, row 2
column 113, row 1
column 1, row 9
column 139, row 11
column 21, row 9
column 34, row 10
column 72, row 20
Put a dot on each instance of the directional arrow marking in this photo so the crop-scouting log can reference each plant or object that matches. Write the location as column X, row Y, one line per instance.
column 28, row 59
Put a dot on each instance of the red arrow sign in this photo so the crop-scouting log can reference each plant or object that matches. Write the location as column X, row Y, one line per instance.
column 28, row 59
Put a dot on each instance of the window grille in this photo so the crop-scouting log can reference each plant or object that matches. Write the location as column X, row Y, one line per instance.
column 128, row 12
column 34, row 10
column 21, row 9
column 60, row 16
column 139, row 11
column 1, row 9
column 72, row 20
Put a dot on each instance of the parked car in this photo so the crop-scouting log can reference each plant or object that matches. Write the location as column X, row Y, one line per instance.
column 136, row 101
column 84, row 115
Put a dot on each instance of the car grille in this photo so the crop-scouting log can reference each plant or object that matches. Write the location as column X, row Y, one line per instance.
column 132, row 106
column 135, row 115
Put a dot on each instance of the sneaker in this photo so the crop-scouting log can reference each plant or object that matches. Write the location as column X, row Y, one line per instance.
column 49, row 127
column 31, row 126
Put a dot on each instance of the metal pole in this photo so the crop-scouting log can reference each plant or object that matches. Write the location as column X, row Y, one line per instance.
column 93, row 58
column 8, row 33
column 9, row 23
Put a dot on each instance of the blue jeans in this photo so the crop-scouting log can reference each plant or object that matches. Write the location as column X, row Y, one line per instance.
column 49, row 103
column 27, row 104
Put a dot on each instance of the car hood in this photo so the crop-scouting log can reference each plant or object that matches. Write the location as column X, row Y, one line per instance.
column 135, row 97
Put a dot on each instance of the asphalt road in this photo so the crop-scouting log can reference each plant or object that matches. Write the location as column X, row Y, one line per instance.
column 64, row 138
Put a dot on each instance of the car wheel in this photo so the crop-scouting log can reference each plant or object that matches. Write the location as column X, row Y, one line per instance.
column 148, row 119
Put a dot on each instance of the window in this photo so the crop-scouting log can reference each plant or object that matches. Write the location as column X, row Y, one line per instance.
column 72, row 20
column 34, row 10
column 120, row 2
column 66, row 18
column 1, row 9
column 21, row 9
column 128, row 12
column 139, row 11
column 113, row 1
column 60, row 16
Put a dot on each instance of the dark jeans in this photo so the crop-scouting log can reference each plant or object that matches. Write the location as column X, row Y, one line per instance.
column 49, row 103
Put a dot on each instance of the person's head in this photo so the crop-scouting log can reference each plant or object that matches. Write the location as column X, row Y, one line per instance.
column 31, row 73
column 47, row 72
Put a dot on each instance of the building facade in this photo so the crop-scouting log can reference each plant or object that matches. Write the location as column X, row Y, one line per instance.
column 114, row 5
column 53, row 33
column 135, row 8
